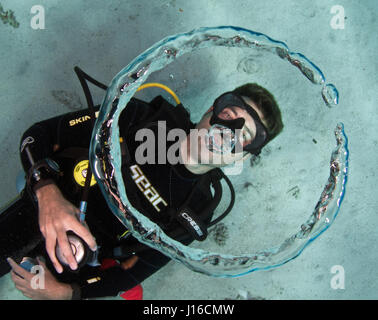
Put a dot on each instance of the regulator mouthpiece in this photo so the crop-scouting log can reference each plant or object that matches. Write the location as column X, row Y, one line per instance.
column 220, row 139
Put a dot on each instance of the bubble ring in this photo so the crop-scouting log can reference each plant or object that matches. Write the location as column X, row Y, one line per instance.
column 105, row 154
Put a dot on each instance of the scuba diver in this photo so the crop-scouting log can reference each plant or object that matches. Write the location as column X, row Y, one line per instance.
column 94, row 255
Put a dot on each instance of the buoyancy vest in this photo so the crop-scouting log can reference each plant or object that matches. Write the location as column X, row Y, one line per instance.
column 190, row 217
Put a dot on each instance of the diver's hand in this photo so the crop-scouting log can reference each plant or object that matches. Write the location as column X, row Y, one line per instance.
column 56, row 217
column 46, row 288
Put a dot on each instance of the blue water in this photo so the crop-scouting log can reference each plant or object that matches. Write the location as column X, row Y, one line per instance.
column 281, row 190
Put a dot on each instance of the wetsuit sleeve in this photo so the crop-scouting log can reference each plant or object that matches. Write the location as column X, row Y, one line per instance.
column 44, row 138
column 73, row 129
column 112, row 281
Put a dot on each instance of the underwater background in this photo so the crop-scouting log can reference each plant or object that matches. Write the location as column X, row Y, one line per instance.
column 278, row 191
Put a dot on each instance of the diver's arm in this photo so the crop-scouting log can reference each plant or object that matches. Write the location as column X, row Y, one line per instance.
column 74, row 129
column 43, row 139
column 123, row 277
column 56, row 214
column 112, row 281
column 56, row 217
column 52, row 289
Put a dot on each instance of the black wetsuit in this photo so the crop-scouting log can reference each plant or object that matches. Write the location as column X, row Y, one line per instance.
column 171, row 183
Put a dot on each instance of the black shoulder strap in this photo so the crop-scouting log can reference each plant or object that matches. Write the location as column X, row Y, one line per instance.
column 161, row 106
column 197, row 223
column 187, row 218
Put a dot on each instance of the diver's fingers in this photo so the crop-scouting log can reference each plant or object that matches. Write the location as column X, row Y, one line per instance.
column 84, row 233
column 50, row 248
column 18, row 280
column 66, row 250
column 17, row 269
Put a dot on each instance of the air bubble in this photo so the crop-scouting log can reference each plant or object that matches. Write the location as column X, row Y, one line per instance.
column 248, row 65
column 105, row 151
column 330, row 95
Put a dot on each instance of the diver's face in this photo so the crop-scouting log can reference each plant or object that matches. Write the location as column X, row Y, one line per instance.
column 248, row 133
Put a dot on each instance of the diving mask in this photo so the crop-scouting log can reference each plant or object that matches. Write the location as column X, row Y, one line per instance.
column 223, row 136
